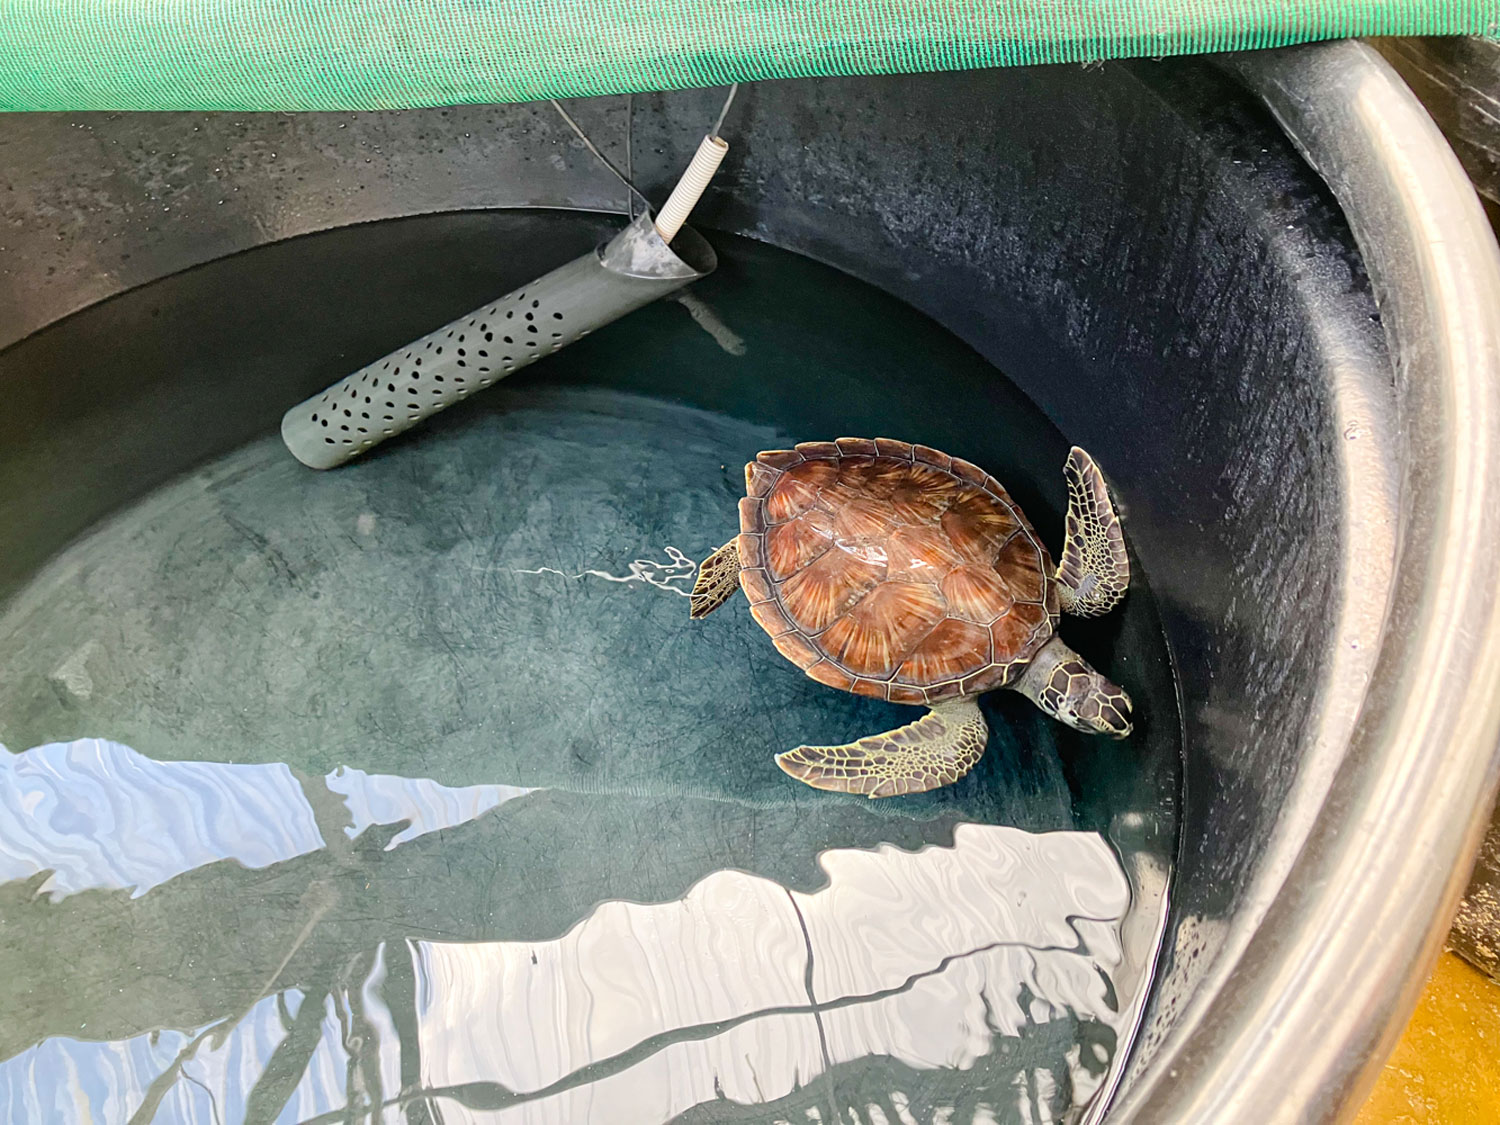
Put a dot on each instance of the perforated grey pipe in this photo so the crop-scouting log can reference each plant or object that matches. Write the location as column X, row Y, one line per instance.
column 397, row 391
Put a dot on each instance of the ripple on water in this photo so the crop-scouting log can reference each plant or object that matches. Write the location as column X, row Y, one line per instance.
column 900, row 964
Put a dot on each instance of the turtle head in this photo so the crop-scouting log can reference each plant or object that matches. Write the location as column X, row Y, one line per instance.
column 1061, row 683
column 1094, row 705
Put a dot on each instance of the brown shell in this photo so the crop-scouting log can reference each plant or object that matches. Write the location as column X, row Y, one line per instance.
column 892, row 570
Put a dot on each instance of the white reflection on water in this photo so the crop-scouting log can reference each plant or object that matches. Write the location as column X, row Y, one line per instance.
column 740, row 993
column 100, row 815
column 744, row 990
column 71, row 1080
column 376, row 798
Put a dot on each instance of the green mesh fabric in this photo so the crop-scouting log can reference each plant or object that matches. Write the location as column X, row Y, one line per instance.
column 386, row 54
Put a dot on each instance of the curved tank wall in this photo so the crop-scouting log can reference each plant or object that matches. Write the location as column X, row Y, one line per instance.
column 1139, row 246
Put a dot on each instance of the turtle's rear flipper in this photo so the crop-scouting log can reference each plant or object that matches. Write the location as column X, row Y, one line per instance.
column 1094, row 571
column 718, row 577
column 936, row 750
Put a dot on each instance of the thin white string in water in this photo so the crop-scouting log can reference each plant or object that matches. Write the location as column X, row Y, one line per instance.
column 658, row 574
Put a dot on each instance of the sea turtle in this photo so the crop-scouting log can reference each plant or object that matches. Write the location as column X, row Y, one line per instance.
column 896, row 571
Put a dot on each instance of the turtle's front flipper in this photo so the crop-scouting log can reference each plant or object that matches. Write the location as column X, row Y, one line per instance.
column 937, row 749
column 1094, row 571
column 718, row 577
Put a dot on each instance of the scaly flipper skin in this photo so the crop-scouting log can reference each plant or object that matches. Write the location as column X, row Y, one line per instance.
column 936, row 750
column 1094, row 571
column 718, row 578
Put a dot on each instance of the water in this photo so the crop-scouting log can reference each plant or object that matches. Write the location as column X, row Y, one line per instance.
column 408, row 792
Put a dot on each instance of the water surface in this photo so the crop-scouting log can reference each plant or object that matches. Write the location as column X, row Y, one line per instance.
column 408, row 790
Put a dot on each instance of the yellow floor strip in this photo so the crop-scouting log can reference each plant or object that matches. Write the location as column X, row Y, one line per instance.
column 1446, row 1069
